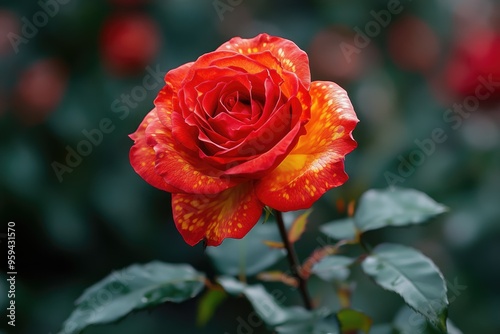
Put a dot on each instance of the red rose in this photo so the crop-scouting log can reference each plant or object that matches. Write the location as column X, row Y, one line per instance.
column 129, row 42
column 413, row 44
column 39, row 90
column 240, row 128
column 473, row 57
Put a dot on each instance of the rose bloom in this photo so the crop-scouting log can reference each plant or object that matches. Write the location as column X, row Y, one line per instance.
column 241, row 128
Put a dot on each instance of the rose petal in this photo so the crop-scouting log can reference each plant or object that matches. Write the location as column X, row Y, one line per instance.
column 222, row 134
column 291, row 57
column 274, row 134
column 240, row 63
column 143, row 156
column 267, row 146
column 316, row 164
column 179, row 169
column 206, row 59
column 166, row 101
column 260, row 165
column 229, row 214
column 201, row 83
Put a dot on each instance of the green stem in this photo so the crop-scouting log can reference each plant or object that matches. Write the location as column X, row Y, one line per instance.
column 293, row 261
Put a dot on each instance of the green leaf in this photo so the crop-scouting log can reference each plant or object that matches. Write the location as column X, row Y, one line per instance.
column 298, row 226
column 394, row 207
column 333, row 268
column 289, row 320
column 268, row 309
column 248, row 255
column 408, row 321
column 413, row 276
column 264, row 304
column 231, row 285
column 208, row 305
column 317, row 324
column 382, row 329
column 341, row 229
column 133, row 288
column 452, row 329
column 352, row 320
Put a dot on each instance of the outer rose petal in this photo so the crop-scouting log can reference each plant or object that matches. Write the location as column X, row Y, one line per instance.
column 229, row 214
column 291, row 57
column 316, row 164
column 166, row 100
column 175, row 165
column 143, row 156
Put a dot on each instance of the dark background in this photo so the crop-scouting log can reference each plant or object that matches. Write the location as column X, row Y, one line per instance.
column 78, row 62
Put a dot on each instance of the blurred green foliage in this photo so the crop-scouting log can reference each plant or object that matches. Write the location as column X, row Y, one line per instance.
column 101, row 216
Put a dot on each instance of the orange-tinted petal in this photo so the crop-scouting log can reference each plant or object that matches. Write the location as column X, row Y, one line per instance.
column 229, row 214
column 316, row 164
column 166, row 100
column 291, row 57
column 143, row 156
column 249, row 65
column 181, row 170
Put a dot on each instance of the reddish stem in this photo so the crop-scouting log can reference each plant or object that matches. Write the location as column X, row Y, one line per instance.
column 293, row 261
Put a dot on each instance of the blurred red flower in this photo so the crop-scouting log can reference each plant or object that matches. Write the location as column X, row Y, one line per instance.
column 39, row 90
column 335, row 56
column 129, row 42
column 413, row 45
column 473, row 56
column 9, row 26
column 240, row 128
